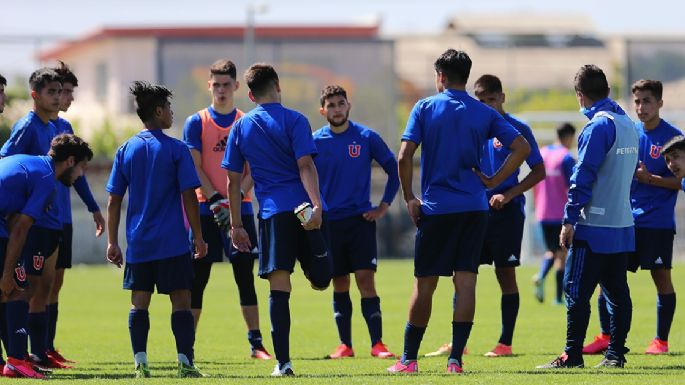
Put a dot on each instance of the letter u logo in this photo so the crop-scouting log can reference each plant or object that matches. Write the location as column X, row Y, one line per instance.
column 20, row 273
column 38, row 262
column 655, row 151
column 354, row 150
column 496, row 143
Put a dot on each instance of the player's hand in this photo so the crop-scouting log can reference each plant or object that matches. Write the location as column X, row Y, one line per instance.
column 99, row 223
column 566, row 236
column 414, row 210
column 488, row 181
column 200, row 248
column 642, row 174
column 114, row 255
column 315, row 221
column 222, row 214
column 8, row 285
column 376, row 213
column 498, row 201
column 240, row 239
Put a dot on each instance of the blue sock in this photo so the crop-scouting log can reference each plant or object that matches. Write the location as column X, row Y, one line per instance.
column 604, row 316
column 665, row 308
column 17, row 313
column 138, row 328
column 183, row 326
column 560, row 285
column 52, row 325
column 545, row 265
column 255, row 339
column 412, row 341
column 460, row 335
column 371, row 309
column 510, row 310
column 3, row 327
column 342, row 311
column 38, row 331
column 279, row 310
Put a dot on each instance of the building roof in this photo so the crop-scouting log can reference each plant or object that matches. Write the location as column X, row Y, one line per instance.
column 215, row 32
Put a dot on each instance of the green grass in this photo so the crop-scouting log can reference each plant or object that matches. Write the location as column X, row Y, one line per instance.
column 93, row 330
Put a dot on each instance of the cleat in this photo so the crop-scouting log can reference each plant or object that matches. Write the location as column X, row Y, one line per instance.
column 59, row 357
column 657, row 347
column 444, row 350
column 20, row 368
column 409, row 367
column 539, row 288
column 260, row 354
column 381, row 351
column 563, row 362
column 189, row 371
column 283, row 371
column 48, row 363
column 501, row 350
column 611, row 363
column 453, row 366
column 142, row 371
column 342, row 351
column 599, row 345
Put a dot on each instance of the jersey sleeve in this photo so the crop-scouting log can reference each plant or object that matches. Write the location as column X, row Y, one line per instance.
column 301, row 138
column 118, row 182
column 19, row 141
column 43, row 193
column 233, row 157
column 414, row 129
column 567, row 167
column 502, row 130
column 83, row 190
column 192, row 132
column 185, row 170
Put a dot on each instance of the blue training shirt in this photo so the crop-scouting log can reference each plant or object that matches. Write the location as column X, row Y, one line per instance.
column 31, row 136
column 654, row 207
column 344, row 167
column 27, row 186
column 271, row 138
column 192, row 136
column 494, row 155
column 452, row 127
column 156, row 169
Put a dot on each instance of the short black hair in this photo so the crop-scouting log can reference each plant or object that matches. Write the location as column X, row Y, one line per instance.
column 260, row 77
column 676, row 143
column 65, row 73
column 223, row 67
column 330, row 91
column 3, row 81
column 41, row 77
column 148, row 97
column 455, row 65
column 488, row 84
column 66, row 145
column 591, row 82
column 565, row 129
column 653, row 86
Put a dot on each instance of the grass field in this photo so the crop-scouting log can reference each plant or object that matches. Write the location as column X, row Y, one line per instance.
column 93, row 330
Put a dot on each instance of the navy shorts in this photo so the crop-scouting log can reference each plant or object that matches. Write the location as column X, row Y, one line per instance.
column 64, row 253
column 446, row 243
column 282, row 241
column 218, row 243
column 19, row 271
column 551, row 231
column 503, row 237
column 168, row 274
column 653, row 249
column 352, row 245
column 40, row 243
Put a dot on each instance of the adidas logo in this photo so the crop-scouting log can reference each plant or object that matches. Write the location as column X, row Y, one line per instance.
column 512, row 258
column 255, row 250
column 374, row 262
column 324, row 255
column 337, row 314
column 376, row 315
column 658, row 261
column 220, row 146
column 20, row 331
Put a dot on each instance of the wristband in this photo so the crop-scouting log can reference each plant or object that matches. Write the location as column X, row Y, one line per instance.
column 215, row 198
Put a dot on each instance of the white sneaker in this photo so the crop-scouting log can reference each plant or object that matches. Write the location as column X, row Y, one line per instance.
column 285, row 370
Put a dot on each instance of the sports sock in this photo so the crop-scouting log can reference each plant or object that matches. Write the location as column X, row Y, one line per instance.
column 560, row 285
column 371, row 309
column 38, row 328
column 183, row 326
column 52, row 325
column 460, row 336
column 138, row 328
column 545, row 265
column 510, row 310
column 17, row 313
column 279, row 310
column 604, row 316
column 412, row 341
column 342, row 311
column 665, row 308
column 255, row 339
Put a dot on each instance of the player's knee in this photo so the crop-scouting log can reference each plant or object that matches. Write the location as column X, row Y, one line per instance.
column 367, row 285
column 180, row 300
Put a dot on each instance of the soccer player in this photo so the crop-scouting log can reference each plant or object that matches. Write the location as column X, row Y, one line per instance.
column 27, row 185
column 550, row 198
column 506, row 217
column 598, row 222
column 32, row 135
column 673, row 152
column 346, row 150
column 653, row 197
column 277, row 143
column 159, row 173
column 205, row 133
column 64, row 254
column 451, row 214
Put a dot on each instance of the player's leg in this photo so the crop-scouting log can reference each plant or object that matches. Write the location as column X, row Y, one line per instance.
column 614, row 282
column 279, row 310
column 202, row 268
column 339, row 242
column 139, row 278
column 659, row 262
column 559, row 263
column 64, row 258
column 509, row 305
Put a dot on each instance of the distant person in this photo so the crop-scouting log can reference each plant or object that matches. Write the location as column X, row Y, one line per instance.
column 550, row 197
column 346, row 151
column 159, row 174
column 205, row 133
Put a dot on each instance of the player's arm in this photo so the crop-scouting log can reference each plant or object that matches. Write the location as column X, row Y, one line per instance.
column 114, row 255
column 644, row 176
column 520, row 149
column 536, row 174
column 192, row 209
column 247, row 183
column 83, row 191
column 310, row 181
column 21, row 224
column 205, row 184
column 405, row 161
column 239, row 236
column 382, row 154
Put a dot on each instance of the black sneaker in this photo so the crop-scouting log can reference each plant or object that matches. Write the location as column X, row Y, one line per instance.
column 612, row 362
column 562, row 362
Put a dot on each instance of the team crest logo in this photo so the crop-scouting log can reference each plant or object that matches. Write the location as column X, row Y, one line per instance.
column 655, row 151
column 496, row 143
column 38, row 262
column 354, row 150
column 20, row 273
